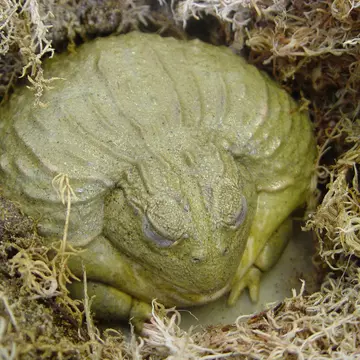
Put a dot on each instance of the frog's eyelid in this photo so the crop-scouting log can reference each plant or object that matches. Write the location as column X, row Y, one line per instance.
column 152, row 235
column 240, row 216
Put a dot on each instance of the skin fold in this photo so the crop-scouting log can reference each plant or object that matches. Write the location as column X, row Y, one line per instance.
column 186, row 163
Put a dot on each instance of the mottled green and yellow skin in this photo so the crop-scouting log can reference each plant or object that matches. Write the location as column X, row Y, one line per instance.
column 186, row 163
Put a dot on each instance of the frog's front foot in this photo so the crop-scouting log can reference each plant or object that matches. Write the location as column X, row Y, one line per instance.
column 251, row 279
column 249, row 271
column 113, row 305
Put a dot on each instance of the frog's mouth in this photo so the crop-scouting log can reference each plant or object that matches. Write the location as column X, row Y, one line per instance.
column 172, row 294
column 193, row 288
column 182, row 297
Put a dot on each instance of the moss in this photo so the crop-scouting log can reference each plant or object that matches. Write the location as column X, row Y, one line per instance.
column 337, row 220
column 312, row 48
column 33, row 29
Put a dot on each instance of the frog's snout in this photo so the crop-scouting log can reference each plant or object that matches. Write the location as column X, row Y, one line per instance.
column 209, row 271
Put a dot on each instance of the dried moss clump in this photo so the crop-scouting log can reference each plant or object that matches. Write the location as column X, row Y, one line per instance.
column 310, row 46
column 23, row 44
column 32, row 30
column 337, row 221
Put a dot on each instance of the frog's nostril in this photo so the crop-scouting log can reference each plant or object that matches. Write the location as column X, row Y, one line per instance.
column 226, row 251
column 198, row 256
column 196, row 259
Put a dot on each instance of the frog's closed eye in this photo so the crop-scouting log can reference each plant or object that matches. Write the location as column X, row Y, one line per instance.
column 238, row 218
column 154, row 235
column 241, row 215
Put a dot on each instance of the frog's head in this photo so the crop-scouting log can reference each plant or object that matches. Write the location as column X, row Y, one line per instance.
column 186, row 220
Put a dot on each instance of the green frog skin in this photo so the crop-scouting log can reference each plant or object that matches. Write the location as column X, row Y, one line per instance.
column 186, row 163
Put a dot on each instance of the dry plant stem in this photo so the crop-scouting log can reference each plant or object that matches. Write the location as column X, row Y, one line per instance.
column 61, row 185
column 9, row 311
column 95, row 347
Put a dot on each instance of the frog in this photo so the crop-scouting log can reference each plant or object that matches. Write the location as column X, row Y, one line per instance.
column 185, row 163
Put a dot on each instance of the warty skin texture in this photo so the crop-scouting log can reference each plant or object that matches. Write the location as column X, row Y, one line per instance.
column 185, row 161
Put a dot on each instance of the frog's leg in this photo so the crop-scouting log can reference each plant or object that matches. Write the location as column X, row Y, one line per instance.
column 268, row 237
column 110, row 276
column 112, row 304
column 273, row 249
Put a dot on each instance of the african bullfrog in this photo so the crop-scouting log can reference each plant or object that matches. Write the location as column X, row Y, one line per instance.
column 184, row 160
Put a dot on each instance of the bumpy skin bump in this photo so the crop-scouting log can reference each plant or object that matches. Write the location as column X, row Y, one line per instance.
column 184, row 159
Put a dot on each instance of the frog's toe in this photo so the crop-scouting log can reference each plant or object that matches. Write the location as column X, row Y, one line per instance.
column 111, row 304
column 250, row 280
column 139, row 314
